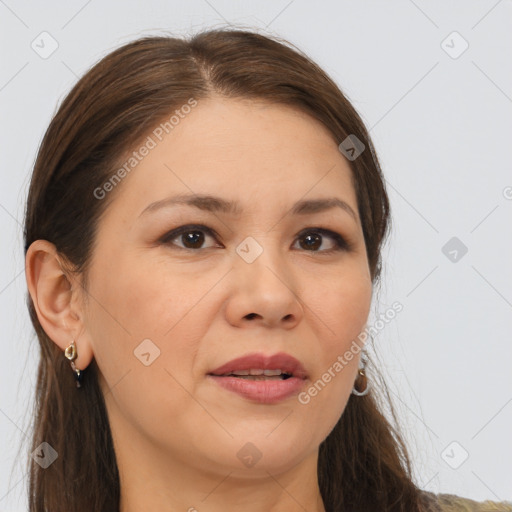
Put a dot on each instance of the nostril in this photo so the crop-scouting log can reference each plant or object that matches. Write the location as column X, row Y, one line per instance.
column 250, row 316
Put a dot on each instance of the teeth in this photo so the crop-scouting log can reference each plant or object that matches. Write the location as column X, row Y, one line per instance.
column 240, row 372
column 261, row 377
column 268, row 373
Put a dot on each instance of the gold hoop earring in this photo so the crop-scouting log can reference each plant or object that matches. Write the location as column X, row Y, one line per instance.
column 362, row 384
column 71, row 354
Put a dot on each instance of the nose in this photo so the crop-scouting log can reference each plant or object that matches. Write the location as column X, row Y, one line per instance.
column 264, row 292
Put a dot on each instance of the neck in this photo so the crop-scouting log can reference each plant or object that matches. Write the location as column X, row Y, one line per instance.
column 152, row 482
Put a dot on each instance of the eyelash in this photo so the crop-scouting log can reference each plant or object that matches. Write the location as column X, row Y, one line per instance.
column 341, row 244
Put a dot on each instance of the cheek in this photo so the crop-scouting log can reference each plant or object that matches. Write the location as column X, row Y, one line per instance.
column 138, row 310
column 145, row 331
column 342, row 306
column 147, row 302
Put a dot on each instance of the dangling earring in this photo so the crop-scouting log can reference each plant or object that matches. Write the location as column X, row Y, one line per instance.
column 71, row 354
column 362, row 381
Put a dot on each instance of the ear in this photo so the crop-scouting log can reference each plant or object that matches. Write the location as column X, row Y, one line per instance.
column 56, row 295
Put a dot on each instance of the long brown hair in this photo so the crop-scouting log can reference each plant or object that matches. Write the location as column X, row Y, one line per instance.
column 363, row 463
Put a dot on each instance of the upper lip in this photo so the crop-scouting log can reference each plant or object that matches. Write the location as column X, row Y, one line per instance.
column 280, row 361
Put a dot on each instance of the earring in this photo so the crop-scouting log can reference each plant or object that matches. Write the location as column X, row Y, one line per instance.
column 361, row 382
column 71, row 354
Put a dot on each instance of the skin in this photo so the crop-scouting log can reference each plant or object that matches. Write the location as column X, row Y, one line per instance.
column 176, row 433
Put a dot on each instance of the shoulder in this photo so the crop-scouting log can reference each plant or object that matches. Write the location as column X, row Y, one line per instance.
column 453, row 503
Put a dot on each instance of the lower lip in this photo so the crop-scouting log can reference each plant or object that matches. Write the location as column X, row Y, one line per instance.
column 261, row 391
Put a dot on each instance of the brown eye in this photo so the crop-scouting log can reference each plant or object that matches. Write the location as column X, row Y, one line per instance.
column 313, row 239
column 192, row 237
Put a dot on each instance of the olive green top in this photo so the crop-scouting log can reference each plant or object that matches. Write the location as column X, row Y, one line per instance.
column 453, row 503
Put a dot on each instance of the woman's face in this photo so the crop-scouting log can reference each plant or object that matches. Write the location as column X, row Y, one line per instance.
column 167, row 310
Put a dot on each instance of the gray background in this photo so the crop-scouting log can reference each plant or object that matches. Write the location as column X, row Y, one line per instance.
column 441, row 121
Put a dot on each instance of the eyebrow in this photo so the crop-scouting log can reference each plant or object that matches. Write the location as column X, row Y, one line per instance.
column 215, row 204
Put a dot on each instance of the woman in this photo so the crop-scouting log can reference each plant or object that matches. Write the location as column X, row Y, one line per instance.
column 203, row 236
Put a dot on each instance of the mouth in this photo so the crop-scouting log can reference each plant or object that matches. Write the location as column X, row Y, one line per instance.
column 260, row 378
column 258, row 366
column 258, row 374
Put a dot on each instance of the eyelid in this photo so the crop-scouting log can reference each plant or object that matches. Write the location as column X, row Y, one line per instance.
column 341, row 242
column 341, row 239
column 184, row 229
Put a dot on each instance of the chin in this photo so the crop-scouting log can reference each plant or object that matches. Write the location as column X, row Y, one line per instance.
column 273, row 453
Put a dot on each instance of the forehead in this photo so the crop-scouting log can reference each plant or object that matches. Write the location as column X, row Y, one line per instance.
column 253, row 152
